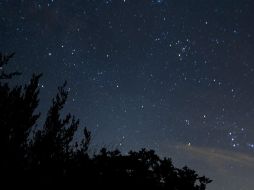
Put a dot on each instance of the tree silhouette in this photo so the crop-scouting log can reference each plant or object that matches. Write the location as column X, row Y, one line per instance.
column 17, row 107
column 49, row 155
column 4, row 60
column 51, row 151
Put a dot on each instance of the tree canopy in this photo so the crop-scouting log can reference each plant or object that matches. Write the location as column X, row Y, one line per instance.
column 47, row 155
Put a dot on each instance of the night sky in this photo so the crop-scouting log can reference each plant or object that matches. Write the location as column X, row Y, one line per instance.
column 176, row 76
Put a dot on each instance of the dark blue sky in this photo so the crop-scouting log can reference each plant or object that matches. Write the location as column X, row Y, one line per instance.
column 176, row 76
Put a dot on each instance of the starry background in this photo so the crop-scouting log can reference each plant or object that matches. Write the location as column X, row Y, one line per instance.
column 176, row 76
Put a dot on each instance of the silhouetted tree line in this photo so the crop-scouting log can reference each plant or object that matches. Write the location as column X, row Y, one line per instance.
column 48, row 156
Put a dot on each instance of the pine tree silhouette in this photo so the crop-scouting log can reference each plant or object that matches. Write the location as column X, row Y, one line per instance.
column 17, row 107
column 45, row 157
column 51, row 149
column 4, row 60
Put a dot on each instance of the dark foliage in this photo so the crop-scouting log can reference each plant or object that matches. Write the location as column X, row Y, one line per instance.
column 44, row 157
column 4, row 60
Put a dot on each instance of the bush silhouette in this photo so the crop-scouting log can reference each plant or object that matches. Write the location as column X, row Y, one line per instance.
column 48, row 156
